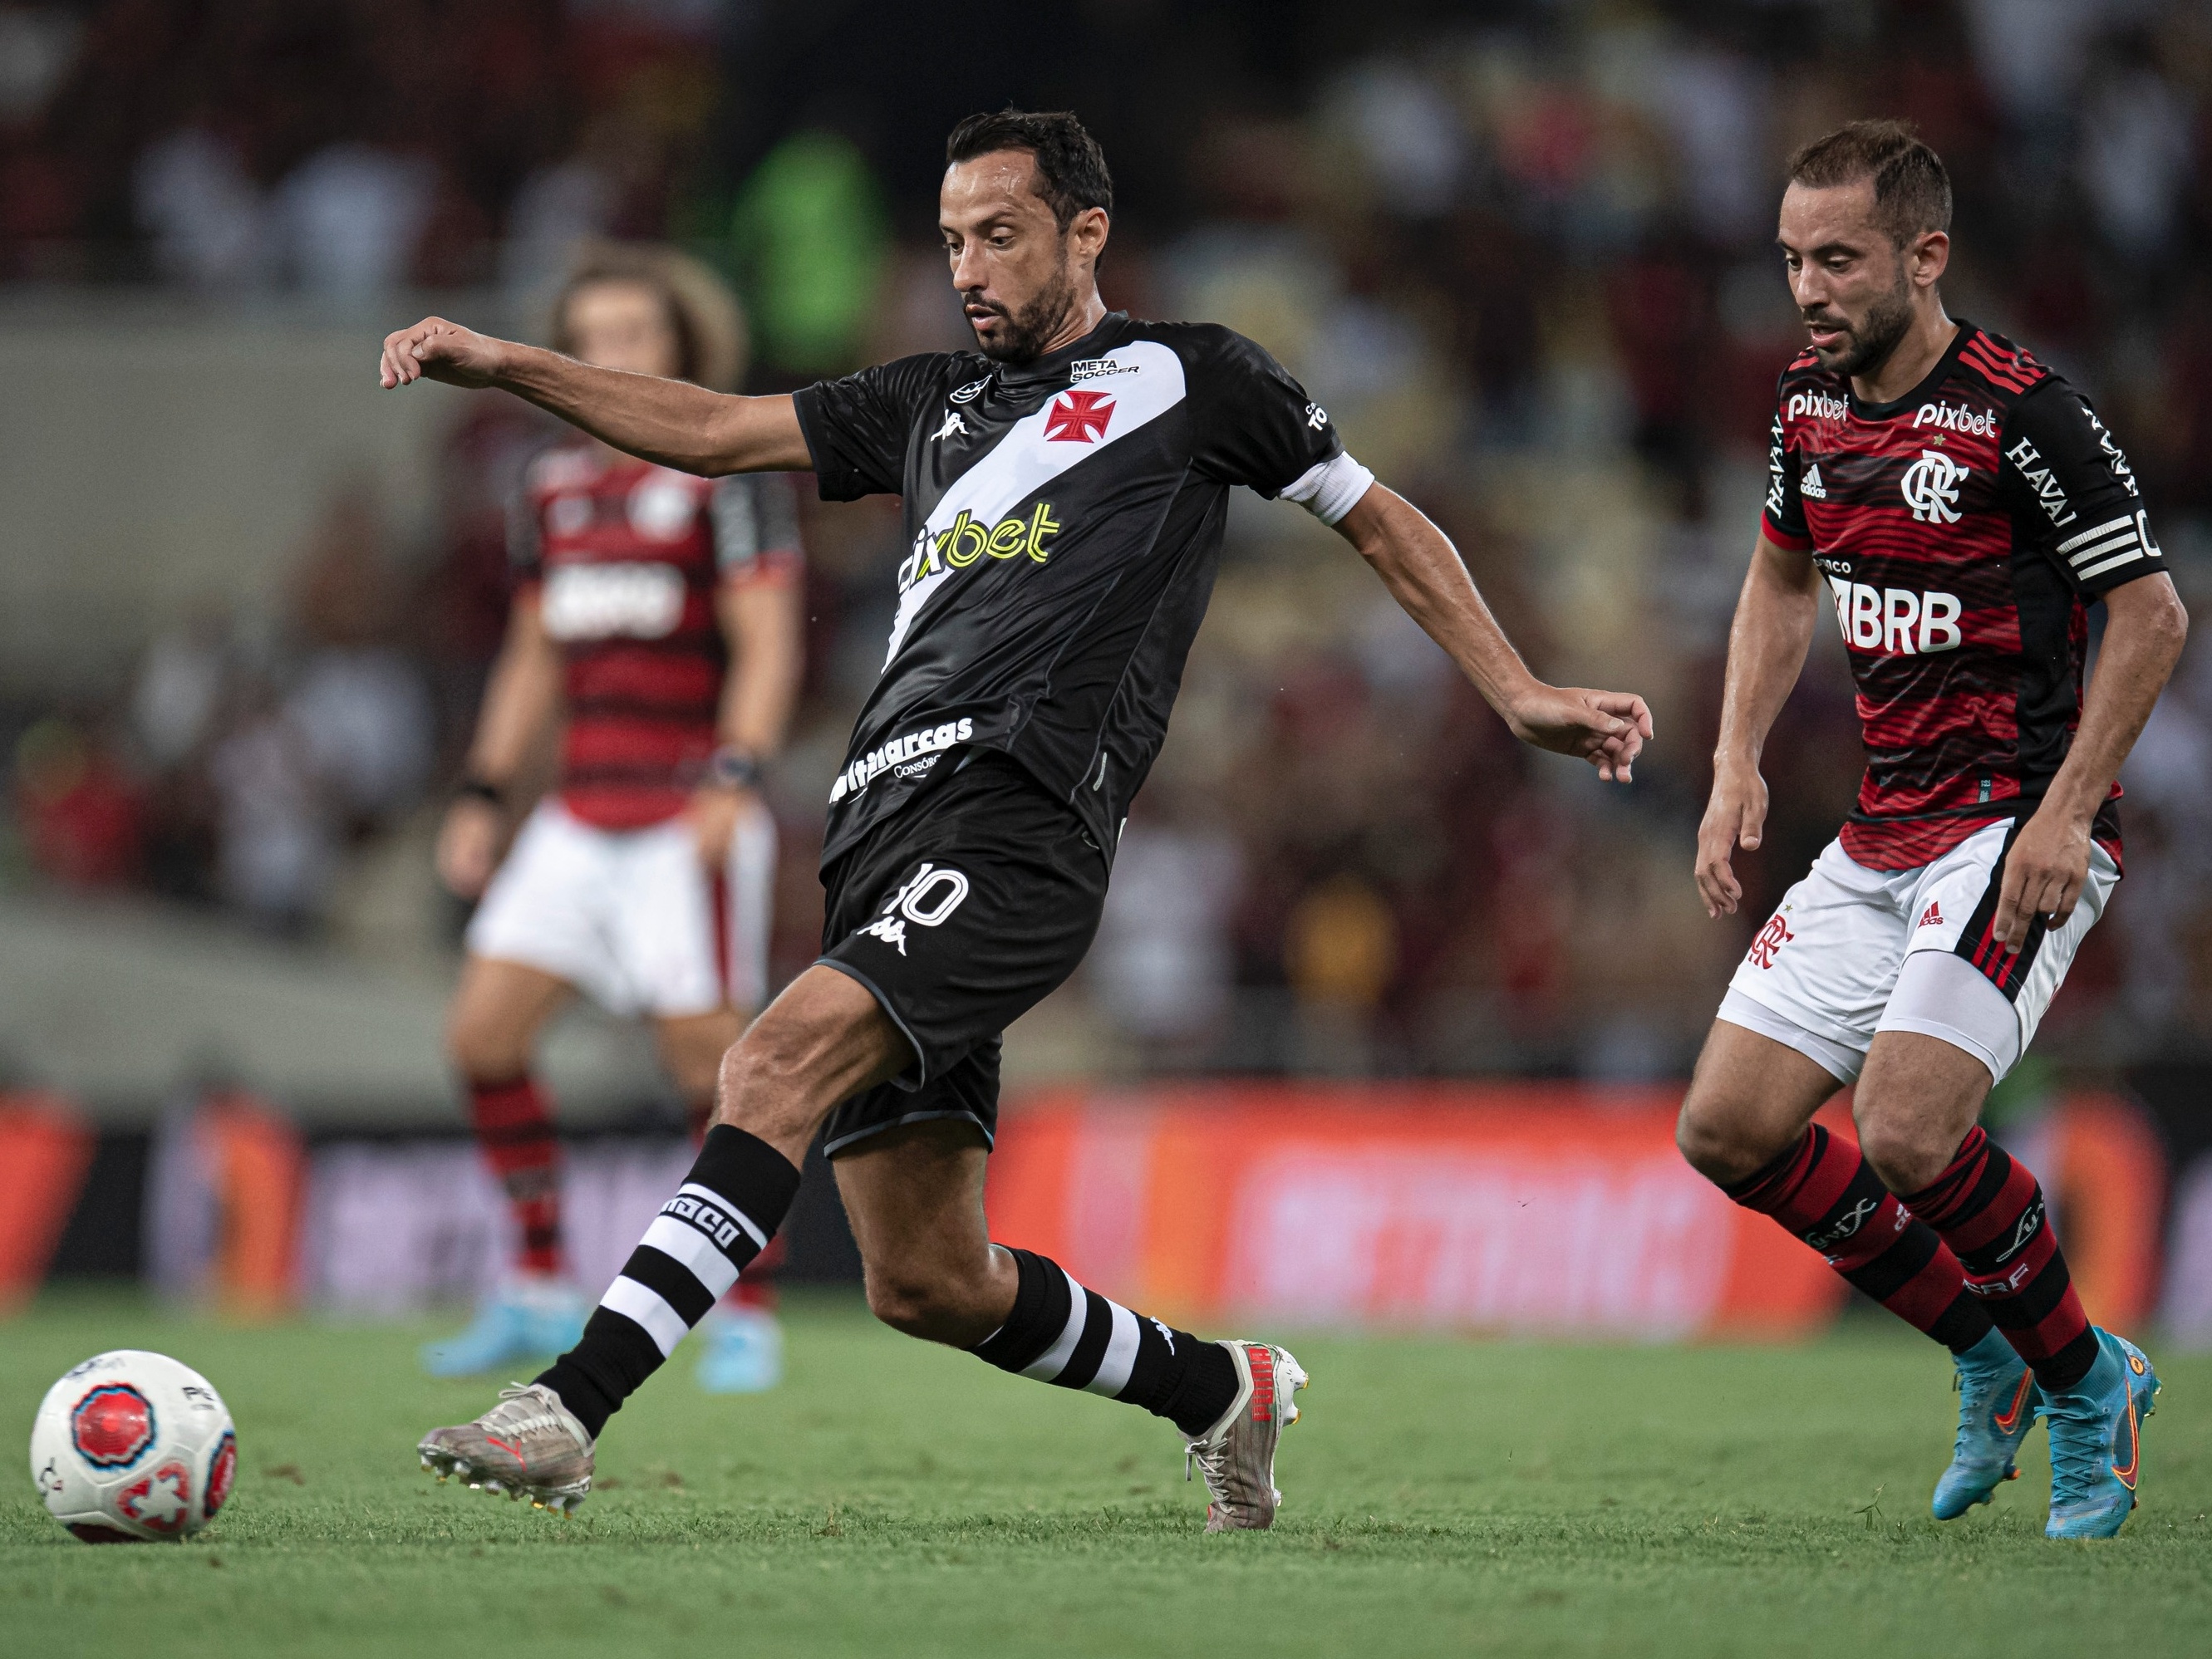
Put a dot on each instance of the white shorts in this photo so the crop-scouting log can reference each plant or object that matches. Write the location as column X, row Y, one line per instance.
column 631, row 917
column 1854, row 950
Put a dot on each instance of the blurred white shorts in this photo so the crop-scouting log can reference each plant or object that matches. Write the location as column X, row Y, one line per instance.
column 1854, row 950
column 633, row 918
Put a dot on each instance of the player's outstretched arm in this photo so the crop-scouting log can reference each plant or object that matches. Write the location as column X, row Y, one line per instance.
column 1419, row 566
column 2145, row 627
column 670, row 422
column 1768, row 642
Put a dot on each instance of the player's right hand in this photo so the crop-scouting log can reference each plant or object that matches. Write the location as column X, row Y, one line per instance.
column 468, row 847
column 436, row 349
column 1735, row 815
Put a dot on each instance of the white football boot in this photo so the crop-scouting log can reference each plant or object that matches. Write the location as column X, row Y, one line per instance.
column 527, row 1444
column 1236, row 1455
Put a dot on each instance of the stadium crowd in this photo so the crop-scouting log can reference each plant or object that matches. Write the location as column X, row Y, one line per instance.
column 1526, row 261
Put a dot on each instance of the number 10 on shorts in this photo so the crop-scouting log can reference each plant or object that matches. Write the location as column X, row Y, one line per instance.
column 931, row 894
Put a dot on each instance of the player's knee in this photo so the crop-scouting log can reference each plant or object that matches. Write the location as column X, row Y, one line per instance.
column 934, row 1307
column 763, row 1083
column 481, row 1051
column 1713, row 1142
column 1906, row 1151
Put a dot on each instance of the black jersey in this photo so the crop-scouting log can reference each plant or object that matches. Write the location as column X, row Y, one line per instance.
column 1064, row 519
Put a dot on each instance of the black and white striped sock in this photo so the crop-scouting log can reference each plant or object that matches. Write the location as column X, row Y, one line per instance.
column 1062, row 1334
column 736, row 1195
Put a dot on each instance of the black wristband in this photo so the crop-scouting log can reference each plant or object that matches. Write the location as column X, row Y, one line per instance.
column 483, row 789
column 733, row 769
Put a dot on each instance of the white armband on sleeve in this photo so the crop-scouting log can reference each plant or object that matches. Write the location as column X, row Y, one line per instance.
column 1330, row 489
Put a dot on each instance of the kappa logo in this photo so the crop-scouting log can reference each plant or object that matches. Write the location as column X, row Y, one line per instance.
column 1932, row 916
column 1931, row 488
column 1810, row 484
column 1978, row 423
column 1817, row 406
column 1771, row 938
column 934, row 893
column 953, row 426
column 1079, row 417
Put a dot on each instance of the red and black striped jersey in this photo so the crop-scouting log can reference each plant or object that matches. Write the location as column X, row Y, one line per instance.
column 1964, row 531
column 626, row 558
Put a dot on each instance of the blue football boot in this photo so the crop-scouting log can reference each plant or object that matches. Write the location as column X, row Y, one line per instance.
column 1998, row 1405
column 522, row 1321
column 743, row 1350
column 2096, row 1441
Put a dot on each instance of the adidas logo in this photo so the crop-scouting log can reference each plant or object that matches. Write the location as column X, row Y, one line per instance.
column 1810, row 484
column 1932, row 916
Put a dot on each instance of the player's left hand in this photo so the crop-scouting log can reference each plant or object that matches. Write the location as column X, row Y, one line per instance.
column 2044, row 874
column 1608, row 729
column 713, row 816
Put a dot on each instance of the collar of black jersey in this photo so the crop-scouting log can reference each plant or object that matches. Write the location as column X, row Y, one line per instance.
column 1053, row 366
column 1921, row 393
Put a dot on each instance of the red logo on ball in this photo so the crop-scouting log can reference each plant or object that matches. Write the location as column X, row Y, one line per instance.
column 221, row 1473
column 161, row 1500
column 112, row 1426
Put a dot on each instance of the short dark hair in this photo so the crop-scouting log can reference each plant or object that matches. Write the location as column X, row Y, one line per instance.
column 1912, row 189
column 1070, row 168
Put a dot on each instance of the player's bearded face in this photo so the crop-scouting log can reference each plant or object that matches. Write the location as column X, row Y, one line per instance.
column 1027, row 326
column 1868, row 337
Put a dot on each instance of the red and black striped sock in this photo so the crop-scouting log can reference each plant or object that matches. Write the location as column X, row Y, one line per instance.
column 1822, row 1190
column 514, row 1127
column 1989, row 1210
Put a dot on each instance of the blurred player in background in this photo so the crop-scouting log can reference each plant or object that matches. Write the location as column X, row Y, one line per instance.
column 656, row 618
column 1963, row 507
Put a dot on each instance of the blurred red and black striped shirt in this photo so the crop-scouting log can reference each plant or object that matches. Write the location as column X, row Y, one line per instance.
column 626, row 559
column 1964, row 531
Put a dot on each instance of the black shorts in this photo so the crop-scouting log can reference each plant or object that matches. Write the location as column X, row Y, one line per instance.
column 959, row 915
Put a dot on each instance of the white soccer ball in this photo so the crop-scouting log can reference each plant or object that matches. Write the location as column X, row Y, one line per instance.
column 132, row 1445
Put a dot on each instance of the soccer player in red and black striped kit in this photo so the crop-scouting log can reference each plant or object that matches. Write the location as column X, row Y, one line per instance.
column 656, row 624
column 1965, row 507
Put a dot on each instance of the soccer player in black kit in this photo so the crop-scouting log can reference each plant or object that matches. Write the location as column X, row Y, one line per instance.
column 1065, row 490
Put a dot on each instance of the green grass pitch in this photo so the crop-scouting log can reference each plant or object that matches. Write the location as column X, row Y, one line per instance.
column 1443, row 1497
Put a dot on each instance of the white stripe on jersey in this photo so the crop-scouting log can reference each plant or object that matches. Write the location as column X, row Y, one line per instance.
column 2098, row 549
column 2092, row 535
column 2128, row 557
column 1025, row 460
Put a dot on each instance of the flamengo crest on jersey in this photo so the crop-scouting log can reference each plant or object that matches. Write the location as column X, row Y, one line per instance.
column 1026, row 460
